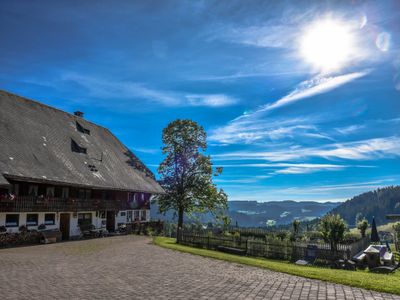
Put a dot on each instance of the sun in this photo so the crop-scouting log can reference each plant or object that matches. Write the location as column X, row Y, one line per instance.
column 327, row 45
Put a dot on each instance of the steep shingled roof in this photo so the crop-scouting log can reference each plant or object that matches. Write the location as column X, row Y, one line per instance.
column 36, row 144
column 3, row 181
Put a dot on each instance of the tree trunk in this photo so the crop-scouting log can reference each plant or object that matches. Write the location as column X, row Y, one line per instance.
column 180, row 225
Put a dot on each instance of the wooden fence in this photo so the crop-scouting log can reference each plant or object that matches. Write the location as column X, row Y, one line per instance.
column 273, row 248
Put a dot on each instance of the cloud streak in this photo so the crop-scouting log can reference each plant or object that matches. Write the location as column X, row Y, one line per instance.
column 109, row 89
column 294, row 168
column 253, row 127
column 315, row 86
column 358, row 150
column 213, row 100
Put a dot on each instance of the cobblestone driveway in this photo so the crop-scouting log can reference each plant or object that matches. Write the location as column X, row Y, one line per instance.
column 129, row 267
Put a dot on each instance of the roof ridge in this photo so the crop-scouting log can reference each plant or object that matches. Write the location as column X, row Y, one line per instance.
column 51, row 107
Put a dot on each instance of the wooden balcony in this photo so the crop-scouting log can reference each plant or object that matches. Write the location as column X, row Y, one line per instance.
column 39, row 204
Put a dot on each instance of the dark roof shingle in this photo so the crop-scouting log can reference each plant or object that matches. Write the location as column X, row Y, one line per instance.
column 3, row 181
column 35, row 143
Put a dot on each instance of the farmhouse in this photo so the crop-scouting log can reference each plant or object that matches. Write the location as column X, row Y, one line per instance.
column 58, row 170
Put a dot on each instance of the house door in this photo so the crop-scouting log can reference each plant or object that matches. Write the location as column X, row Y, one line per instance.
column 64, row 226
column 110, row 226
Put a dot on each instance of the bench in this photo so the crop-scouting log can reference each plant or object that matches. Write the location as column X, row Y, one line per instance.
column 51, row 236
column 231, row 250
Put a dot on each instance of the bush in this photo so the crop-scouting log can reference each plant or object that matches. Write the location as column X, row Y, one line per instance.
column 21, row 238
column 23, row 228
column 333, row 228
column 314, row 236
column 282, row 235
column 350, row 238
column 362, row 225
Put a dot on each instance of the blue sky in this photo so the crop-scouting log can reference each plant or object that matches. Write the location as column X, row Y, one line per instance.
column 288, row 115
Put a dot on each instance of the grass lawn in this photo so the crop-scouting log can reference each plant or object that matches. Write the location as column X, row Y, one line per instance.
column 363, row 279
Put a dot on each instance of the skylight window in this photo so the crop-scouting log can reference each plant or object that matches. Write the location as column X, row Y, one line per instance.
column 76, row 148
column 82, row 129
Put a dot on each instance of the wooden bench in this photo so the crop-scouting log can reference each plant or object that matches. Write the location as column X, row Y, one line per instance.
column 231, row 250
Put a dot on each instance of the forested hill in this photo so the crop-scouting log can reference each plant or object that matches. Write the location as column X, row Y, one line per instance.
column 377, row 203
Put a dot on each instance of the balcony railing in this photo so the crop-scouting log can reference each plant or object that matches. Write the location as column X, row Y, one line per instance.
column 38, row 204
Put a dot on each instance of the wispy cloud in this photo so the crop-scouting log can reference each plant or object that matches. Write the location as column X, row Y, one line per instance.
column 146, row 150
column 255, row 126
column 266, row 36
column 211, row 100
column 249, row 130
column 358, row 150
column 293, row 168
column 110, row 89
column 310, row 168
column 350, row 129
column 322, row 192
column 312, row 87
column 353, row 187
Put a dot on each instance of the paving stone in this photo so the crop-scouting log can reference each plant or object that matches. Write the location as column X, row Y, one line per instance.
column 130, row 267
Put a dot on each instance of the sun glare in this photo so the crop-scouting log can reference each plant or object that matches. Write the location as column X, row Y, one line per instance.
column 328, row 45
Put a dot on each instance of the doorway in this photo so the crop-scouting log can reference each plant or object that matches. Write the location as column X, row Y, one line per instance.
column 110, row 226
column 64, row 225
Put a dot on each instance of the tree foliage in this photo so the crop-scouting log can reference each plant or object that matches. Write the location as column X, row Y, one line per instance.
column 186, row 173
column 362, row 225
column 378, row 204
column 333, row 228
column 396, row 228
column 296, row 230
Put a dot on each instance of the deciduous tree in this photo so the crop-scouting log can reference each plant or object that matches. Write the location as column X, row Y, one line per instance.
column 187, row 173
column 333, row 228
column 362, row 225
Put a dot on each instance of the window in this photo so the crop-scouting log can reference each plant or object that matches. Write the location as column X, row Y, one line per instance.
column 65, row 192
column 33, row 190
column 123, row 214
column 128, row 216
column 143, row 215
column 12, row 220
column 102, row 214
column 50, row 192
column 49, row 219
column 136, row 215
column 85, row 218
column 31, row 219
column 82, row 129
column 76, row 148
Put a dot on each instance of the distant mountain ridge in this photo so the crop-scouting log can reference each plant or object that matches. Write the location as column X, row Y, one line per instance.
column 255, row 214
column 261, row 214
column 376, row 204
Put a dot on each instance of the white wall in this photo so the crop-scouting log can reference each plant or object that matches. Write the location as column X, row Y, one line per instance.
column 22, row 221
column 74, row 228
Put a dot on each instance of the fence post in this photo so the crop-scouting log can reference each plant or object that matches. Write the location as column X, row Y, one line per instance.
column 208, row 242
column 247, row 246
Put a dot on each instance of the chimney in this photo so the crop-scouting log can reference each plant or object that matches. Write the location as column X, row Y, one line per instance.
column 78, row 114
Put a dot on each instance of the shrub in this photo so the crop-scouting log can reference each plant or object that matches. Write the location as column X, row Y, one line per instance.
column 362, row 226
column 282, row 235
column 350, row 238
column 314, row 236
column 23, row 228
column 333, row 228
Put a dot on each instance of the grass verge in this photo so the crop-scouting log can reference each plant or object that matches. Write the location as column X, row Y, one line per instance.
column 362, row 279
